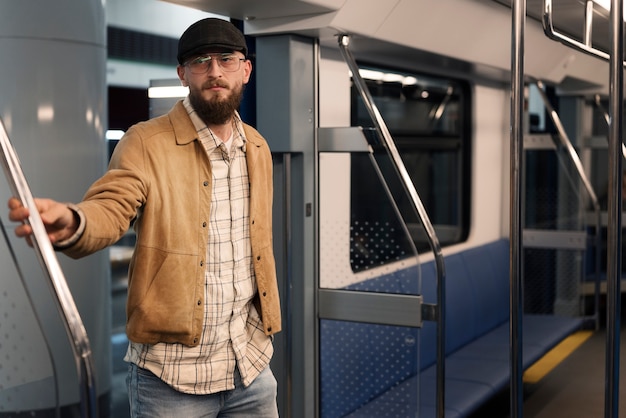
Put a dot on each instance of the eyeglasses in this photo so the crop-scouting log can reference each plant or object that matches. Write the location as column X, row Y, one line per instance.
column 227, row 62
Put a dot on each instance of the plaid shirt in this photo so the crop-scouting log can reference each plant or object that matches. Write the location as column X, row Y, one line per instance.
column 233, row 332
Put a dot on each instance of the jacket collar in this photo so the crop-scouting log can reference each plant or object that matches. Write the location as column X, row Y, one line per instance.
column 185, row 132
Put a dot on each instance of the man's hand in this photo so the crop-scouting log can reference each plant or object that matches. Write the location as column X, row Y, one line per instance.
column 57, row 217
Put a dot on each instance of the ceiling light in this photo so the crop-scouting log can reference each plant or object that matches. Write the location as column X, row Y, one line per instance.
column 606, row 5
column 167, row 92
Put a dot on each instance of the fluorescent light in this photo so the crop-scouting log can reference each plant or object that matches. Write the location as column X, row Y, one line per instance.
column 114, row 134
column 167, row 92
column 393, row 78
column 387, row 77
column 606, row 5
column 409, row 81
column 371, row 74
column 45, row 113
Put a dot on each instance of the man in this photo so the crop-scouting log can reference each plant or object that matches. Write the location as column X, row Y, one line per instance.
column 202, row 293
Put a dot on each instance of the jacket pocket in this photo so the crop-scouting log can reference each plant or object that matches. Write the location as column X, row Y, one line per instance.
column 161, row 296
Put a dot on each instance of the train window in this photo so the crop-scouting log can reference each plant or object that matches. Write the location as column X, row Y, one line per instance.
column 429, row 120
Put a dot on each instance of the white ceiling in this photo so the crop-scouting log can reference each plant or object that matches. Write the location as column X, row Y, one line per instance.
column 261, row 9
column 457, row 35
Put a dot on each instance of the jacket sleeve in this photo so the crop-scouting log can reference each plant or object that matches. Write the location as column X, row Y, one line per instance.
column 113, row 201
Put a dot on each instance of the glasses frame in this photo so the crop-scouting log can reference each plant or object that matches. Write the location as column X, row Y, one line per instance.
column 217, row 57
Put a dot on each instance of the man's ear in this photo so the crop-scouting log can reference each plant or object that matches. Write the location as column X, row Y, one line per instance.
column 247, row 71
column 181, row 75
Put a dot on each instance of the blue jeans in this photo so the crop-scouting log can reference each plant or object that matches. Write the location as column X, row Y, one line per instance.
column 150, row 397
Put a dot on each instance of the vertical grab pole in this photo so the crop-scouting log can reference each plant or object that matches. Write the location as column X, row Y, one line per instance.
column 614, row 207
column 517, row 109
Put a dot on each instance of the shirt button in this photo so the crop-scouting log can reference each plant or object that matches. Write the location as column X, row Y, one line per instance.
column 206, row 183
column 269, row 329
column 204, row 224
column 201, row 263
column 195, row 340
column 199, row 302
column 264, row 293
column 258, row 257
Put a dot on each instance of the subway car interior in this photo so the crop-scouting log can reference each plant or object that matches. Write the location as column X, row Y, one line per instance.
column 446, row 211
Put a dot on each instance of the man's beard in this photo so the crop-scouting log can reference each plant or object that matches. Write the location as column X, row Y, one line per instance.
column 216, row 111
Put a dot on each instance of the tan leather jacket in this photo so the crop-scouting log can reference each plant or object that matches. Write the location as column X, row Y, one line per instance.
column 160, row 175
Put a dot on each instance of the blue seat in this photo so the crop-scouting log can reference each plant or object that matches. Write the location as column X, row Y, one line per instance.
column 477, row 344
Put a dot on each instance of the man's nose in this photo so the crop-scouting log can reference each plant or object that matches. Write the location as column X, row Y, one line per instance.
column 214, row 67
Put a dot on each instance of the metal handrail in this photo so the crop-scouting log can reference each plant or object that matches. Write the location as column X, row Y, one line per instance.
column 518, row 28
column 614, row 207
column 573, row 156
column 381, row 127
column 51, row 267
column 567, row 143
column 607, row 119
column 585, row 46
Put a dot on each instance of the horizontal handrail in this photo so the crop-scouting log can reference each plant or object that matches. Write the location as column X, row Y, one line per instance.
column 586, row 46
column 567, row 144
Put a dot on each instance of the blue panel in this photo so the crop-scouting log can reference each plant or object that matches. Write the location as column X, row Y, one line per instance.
column 359, row 361
column 460, row 305
column 488, row 268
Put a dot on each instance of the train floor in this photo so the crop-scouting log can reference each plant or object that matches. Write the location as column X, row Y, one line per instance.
column 574, row 388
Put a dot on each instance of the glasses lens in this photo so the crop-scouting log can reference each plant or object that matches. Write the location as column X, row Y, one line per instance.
column 198, row 66
column 227, row 62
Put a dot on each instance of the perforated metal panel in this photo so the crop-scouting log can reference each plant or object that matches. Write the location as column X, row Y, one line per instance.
column 25, row 362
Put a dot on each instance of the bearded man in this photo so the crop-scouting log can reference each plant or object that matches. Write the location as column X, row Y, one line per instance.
column 196, row 185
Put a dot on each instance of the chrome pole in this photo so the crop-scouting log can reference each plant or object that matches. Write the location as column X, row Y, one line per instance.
column 517, row 133
column 587, row 45
column 614, row 207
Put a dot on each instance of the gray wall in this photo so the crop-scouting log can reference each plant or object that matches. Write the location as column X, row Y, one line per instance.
column 53, row 103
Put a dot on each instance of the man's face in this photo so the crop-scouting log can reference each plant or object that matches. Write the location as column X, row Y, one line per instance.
column 215, row 93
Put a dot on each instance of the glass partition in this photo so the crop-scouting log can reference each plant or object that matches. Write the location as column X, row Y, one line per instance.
column 365, row 246
column 362, row 236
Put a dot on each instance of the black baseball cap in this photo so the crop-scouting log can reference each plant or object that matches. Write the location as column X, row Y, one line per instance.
column 210, row 33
